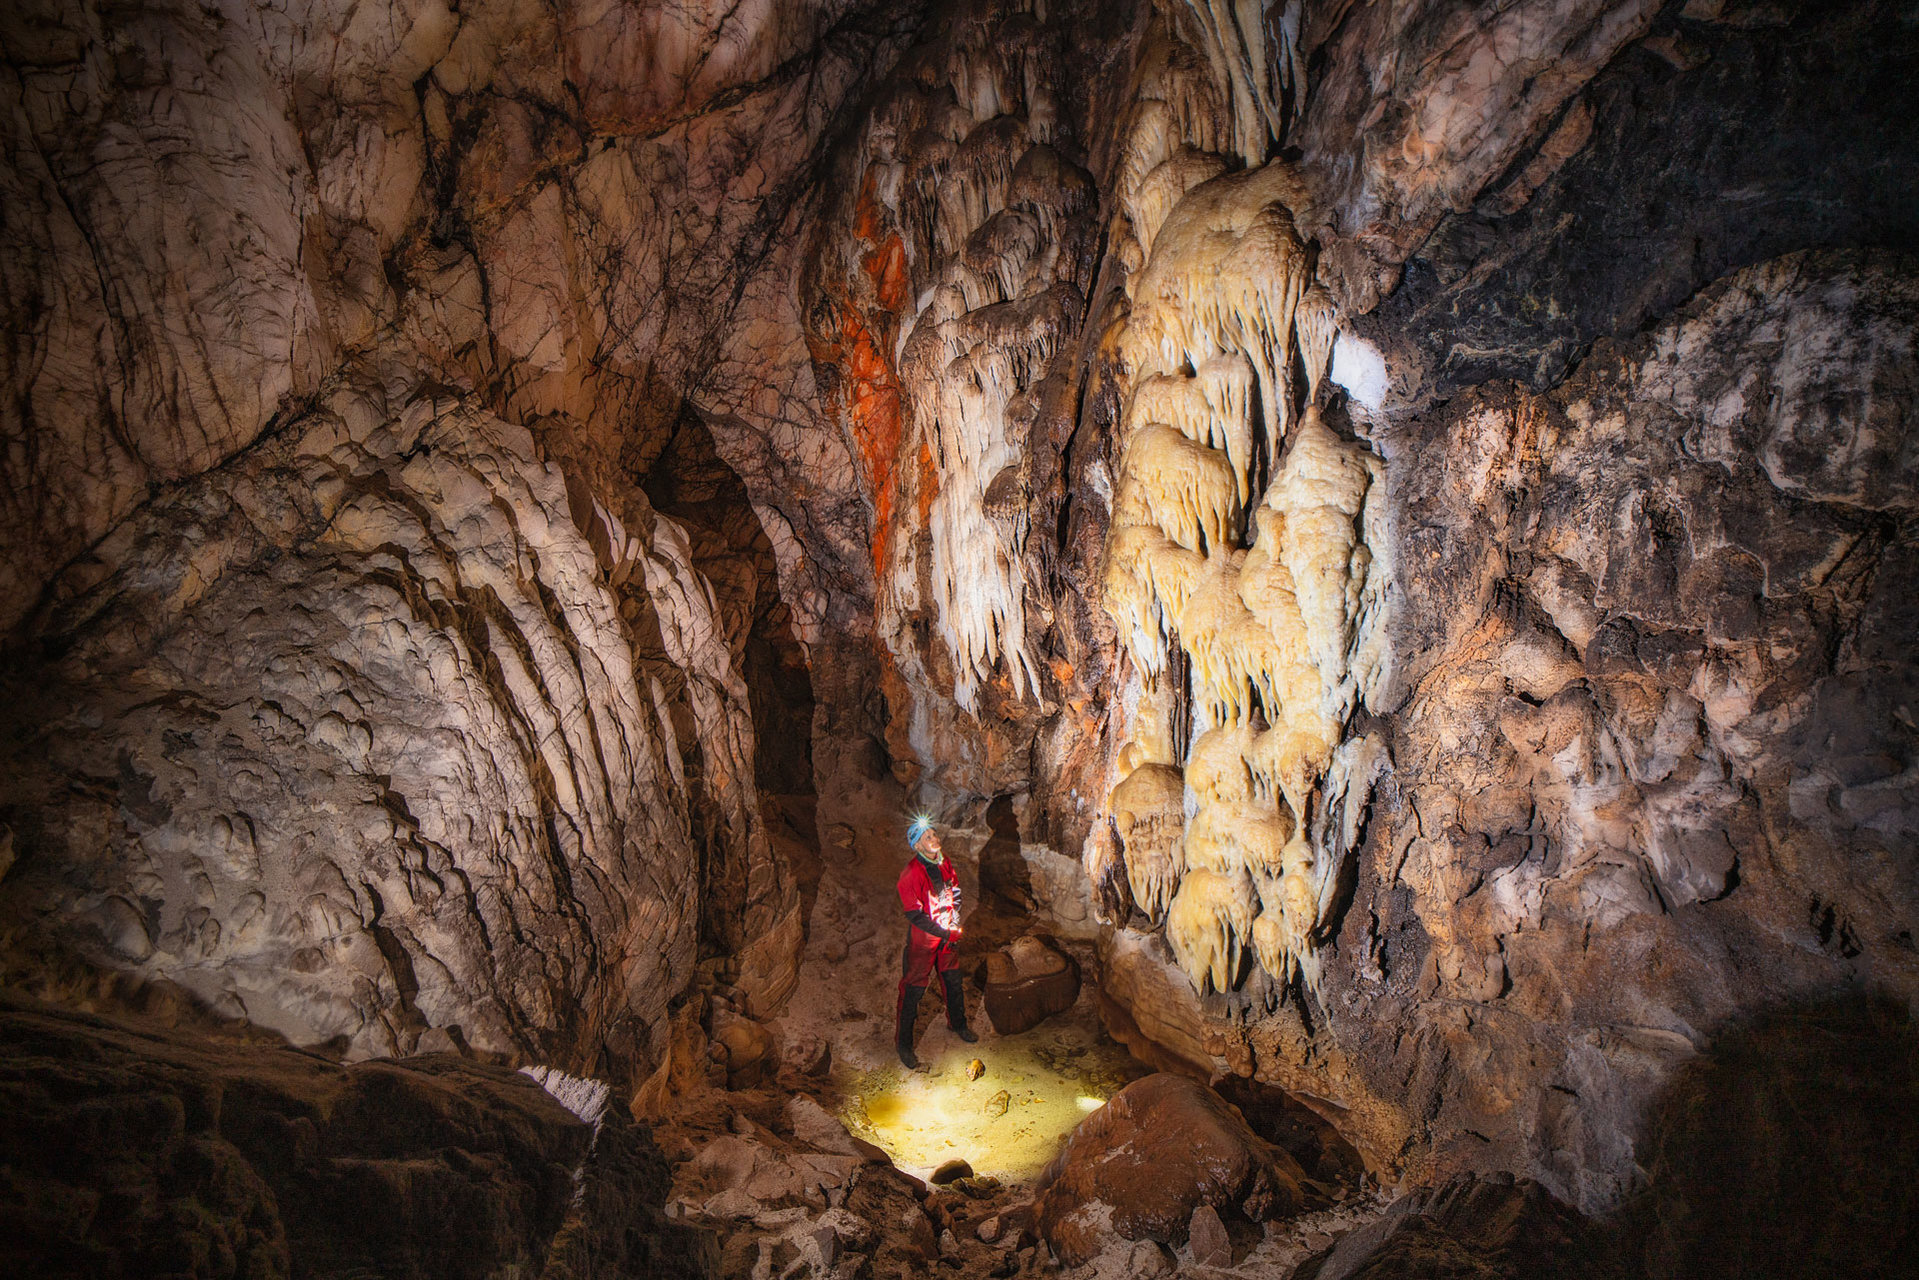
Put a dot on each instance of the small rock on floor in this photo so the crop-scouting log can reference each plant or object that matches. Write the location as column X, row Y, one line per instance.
column 951, row 1171
column 1211, row 1246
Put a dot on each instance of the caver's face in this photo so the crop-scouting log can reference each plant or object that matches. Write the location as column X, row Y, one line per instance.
column 929, row 847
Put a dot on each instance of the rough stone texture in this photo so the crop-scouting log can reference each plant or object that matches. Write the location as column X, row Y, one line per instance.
column 383, row 744
column 1470, row 1227
column 475, row 755
column 1027, row 983
column 133, row 1152
column 1141, row 1164
column 1651, row 769
column 438, row 444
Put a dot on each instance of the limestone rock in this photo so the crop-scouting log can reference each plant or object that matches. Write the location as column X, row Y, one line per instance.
column 1028, row 982
column 1495, row 1227
column 240, row 1157
column 1142, row 1164
column 432, row 720
column 818, row 1127
column 951, row 1171
column 1206, row 1234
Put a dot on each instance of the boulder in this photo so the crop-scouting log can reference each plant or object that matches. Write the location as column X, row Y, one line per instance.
column 1206, row 1233
column 1161, row 1148
column 817, row 1127
column 951, row 1171
column 747, row 1044
column 1028, row 982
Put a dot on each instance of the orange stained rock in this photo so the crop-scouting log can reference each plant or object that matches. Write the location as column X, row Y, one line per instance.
column 886, row 265
column 929, row 478
column 873, row 411
column 866, row 211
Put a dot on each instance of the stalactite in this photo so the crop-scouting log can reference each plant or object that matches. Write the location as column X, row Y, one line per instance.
column 1214, row 407
column 1149, row 814
column 1190, row 491
column 1210, row 915
column 1163, row 187
column 1148, row 580
column 1225, row 311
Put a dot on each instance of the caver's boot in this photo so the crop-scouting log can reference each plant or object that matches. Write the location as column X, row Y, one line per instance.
column 904, row 1017
column 956, row 1007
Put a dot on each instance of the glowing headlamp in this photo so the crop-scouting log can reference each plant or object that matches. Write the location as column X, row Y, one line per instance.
column 919, row 826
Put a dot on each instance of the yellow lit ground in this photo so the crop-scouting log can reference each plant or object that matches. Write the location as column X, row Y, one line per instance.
column 1052, row 1077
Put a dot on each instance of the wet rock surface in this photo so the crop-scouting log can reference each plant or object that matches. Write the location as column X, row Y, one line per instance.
column 1139, row 1167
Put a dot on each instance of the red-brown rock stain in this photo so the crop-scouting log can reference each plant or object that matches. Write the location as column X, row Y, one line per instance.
column 872, row 403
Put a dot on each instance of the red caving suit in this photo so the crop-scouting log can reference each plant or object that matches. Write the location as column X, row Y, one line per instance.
column 928, row 953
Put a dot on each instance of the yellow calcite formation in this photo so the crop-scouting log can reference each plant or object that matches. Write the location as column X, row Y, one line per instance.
column 1281, row 637
column 1149, row 812
column 1209, row 916
column 1189, row 491
column 1148, row 579
column 1153, row 739
column 1320, row 492
column 1213, row 407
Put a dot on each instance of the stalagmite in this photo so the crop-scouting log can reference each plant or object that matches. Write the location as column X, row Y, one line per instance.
column 1148, row 809
column 1316, row 324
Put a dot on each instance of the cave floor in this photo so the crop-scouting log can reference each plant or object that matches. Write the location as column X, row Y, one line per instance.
column 1051, row 1077
column 1034, row 1087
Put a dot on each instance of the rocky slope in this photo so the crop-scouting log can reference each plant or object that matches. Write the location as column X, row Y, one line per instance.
column 134, row 1152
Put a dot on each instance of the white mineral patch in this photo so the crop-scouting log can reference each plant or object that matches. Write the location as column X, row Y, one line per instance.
column 1358, row 367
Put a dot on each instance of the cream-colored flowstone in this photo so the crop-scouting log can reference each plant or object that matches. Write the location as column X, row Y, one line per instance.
column 1276, row 608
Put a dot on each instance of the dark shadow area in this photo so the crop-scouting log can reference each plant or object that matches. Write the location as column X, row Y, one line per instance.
column 689, row 481
column 1786, row 1149
column 1276, row 1116
column 692, row 483
column 1789, row 1148
column 1708, row 147
column 1004, row 877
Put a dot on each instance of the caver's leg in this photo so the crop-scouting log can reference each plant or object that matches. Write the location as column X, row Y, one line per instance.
column 956, row 1006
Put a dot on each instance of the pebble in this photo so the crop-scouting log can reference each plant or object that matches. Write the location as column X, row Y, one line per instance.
column 951, row 1171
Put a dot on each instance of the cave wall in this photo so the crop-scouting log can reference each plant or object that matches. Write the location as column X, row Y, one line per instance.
column 356, row 687
column 1602, row 752
column 453, row 454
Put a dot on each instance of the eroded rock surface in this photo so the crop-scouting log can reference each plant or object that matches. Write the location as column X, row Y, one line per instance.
column 1400, row 517
column 385, row 744
column 136, row 1152
column 1140, row 1165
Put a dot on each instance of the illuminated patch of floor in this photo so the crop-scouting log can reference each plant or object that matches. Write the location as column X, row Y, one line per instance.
column 1008, row 1123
